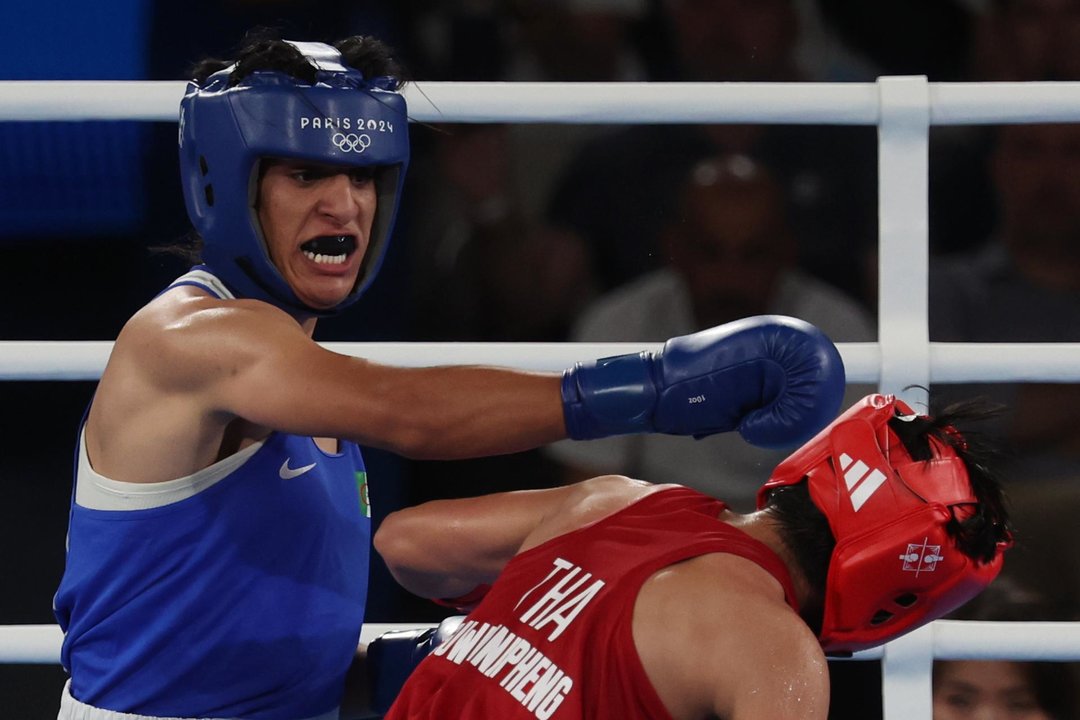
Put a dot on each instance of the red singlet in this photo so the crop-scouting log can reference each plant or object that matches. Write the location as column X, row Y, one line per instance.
column 553, row 637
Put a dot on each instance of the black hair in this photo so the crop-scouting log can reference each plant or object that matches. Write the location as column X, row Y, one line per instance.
column 373, row 58
column 977, row 535
column 805, row 532
column 187, row 248
column 264, row 49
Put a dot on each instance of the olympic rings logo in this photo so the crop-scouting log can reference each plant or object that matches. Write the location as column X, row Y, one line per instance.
column 351, row 142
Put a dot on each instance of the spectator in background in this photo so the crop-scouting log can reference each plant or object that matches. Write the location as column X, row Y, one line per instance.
column 1022, row 40
column 1010, row 41
column 576, row 40
column 730, row 253
column 1002, row 689
column 482, row 270
column 567, row 41
column 608, row 194
column 484, row 185
column 1024, row 285
column 1021, row 283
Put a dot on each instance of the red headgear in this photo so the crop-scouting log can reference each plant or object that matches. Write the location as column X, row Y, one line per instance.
column 894, row 567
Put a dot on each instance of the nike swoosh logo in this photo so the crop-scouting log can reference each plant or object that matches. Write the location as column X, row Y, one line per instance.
column 288, row 473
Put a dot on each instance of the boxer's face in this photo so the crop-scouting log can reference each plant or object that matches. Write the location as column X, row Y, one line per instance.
column 317, row 220
column 1035, row 169
column 730, row 246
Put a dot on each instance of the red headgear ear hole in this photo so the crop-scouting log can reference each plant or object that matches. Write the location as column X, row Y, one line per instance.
column 881, row 617
column 906, row 600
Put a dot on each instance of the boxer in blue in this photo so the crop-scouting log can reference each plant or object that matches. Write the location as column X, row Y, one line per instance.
column 219, row 530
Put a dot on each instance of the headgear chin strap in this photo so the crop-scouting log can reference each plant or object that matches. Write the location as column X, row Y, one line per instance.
column 343, row 119
column 894, row 566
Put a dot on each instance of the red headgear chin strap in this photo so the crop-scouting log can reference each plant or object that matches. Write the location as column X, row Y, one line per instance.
column 894, row 567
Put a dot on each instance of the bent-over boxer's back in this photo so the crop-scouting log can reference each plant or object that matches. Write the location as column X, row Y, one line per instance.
column 588, row 502
column 718, row 638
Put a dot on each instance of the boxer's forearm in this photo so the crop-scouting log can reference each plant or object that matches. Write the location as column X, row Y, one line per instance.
column 446, row 548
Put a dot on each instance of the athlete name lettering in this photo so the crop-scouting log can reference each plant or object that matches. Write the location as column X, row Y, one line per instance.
column 565, row 597
column 528, row 675
column 345, row 123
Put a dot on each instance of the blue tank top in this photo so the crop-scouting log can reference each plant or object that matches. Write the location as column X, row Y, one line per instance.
column 243, row 600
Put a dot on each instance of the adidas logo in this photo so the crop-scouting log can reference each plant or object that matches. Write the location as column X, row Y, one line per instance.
column 861, row 484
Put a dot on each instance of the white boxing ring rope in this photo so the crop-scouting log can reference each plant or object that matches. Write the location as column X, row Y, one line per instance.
column 949, row 639
column 903, row 109
column 950, row 362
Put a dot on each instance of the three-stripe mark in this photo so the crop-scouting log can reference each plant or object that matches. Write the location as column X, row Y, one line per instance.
column 860, row 483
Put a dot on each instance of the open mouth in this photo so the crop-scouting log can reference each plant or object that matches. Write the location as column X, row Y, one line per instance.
column 329, row 249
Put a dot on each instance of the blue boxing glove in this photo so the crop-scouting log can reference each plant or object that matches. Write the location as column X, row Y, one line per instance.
column 393, row 656
column 775, row 379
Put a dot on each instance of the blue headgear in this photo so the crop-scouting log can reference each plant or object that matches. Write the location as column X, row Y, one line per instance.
column 342, row 119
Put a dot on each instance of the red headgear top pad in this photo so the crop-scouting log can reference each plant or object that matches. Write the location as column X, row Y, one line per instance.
column 894, row 567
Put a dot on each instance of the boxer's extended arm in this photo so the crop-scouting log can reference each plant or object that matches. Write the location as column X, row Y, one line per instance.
column 773, row 378
column 777, row 380
column 247, row 359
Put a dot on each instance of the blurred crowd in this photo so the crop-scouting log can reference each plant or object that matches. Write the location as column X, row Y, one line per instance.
column 595, row 232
